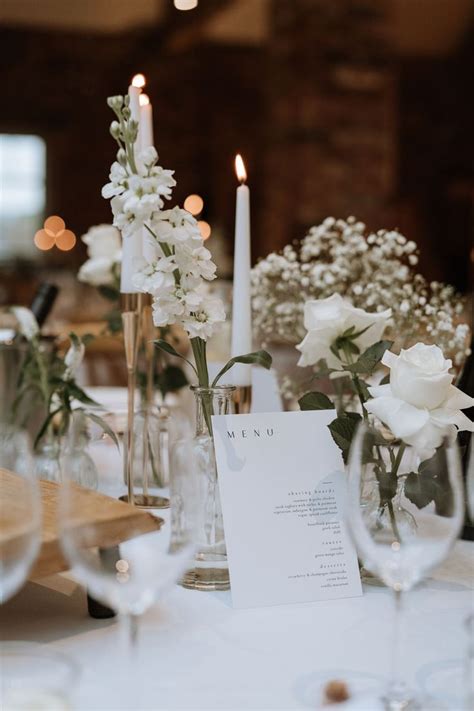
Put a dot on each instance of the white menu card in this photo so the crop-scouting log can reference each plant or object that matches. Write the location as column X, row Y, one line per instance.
column 281, row 484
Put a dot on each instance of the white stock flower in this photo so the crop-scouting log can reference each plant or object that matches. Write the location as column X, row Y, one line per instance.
column 420, row 405
column 73, row 358
column 209, row 314
column 27, row 321
column 327, row 319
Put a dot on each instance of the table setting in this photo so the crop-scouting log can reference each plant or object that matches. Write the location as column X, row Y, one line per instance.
column 274, row 508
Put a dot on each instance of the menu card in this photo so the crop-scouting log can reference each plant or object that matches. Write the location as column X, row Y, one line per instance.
column 281, row 484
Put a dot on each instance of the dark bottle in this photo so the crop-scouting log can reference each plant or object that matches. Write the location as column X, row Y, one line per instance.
column 43, row 301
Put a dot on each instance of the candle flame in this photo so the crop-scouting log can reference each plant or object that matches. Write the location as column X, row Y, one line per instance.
column 144, row 99
column 240, row 168
column 139, row 80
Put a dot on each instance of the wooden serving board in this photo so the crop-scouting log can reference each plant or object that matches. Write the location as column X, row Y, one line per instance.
column 109, row 521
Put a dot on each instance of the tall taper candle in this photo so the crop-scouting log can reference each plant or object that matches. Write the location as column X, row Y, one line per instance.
column 150, row 249
column 132, row 245
column 241, row 306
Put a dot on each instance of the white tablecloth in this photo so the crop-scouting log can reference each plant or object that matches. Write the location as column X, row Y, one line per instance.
column 196, row 652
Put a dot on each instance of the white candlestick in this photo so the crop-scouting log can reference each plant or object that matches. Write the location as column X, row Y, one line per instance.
column 150, row 248
column 241, row 307
column 146, row 125
column 132, row 250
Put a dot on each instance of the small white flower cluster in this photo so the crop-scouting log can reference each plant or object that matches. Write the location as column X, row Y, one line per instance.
column 137, row 197
column 183, row 299
column 373, row 271
column 177, row 277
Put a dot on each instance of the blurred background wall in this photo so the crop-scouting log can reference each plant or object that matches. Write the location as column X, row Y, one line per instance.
column 339, row 107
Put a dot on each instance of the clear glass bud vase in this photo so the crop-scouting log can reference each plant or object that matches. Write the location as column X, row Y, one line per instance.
column 194, row 494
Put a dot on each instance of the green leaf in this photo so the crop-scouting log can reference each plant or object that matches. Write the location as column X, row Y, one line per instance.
column 315, row 401
column 78, row 393
column 370, row 358
column 261, row 358
column 419, row 489
column 45, row 426
column 342, row 431
column 385, row 380
column 168, row 348
column 104, row 426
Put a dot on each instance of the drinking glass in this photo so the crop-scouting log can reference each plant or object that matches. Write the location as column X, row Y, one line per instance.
column 128, row 577
column 404, row 513
column 20, row 510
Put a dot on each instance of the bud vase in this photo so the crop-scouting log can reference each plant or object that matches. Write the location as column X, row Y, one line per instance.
column 194, row 494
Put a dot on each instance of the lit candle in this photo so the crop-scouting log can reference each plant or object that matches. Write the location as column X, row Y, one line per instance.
column 132, row 250
column 241, row 306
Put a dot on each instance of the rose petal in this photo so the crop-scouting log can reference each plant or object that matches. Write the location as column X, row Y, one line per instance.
column 457, row 400
column 401, row 417
column 445, row 416
column 381, row 390
column 389, row 359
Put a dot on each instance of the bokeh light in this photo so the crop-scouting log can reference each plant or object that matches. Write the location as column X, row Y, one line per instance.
column 66, row 240
column 194, row 204
column 43, row 240
column 205, row 229
column 54, row 225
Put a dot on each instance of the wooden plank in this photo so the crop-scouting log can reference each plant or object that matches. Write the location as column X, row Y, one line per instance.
column 105, row 522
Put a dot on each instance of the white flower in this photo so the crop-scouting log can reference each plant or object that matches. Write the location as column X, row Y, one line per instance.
column 204, row 320
column 73, row 358
column 104, row 248
column 327, row 319
column 420, row 405
column 26, row 319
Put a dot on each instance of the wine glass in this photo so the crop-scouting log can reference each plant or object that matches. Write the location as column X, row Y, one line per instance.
column 127, row 577
column 404, row 513
column 20, row 510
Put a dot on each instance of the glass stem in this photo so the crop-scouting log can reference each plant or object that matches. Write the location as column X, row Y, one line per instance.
column 129, row 632
column 397, row 688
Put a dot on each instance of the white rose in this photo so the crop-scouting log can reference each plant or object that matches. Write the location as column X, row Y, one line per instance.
column 327, row 319
column 26, row 319
column 420, row 405
column 103, row 241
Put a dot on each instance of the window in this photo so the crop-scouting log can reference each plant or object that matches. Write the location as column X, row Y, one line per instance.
column 22, row 194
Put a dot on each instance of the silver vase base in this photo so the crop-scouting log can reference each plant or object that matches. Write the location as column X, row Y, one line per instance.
column 147, row 502
column 206, row 579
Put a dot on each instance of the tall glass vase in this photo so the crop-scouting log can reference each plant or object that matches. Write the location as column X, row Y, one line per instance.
column 194, row 494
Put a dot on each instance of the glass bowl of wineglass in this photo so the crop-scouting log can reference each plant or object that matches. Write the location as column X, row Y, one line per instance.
column 404, row 513
column 20, row 512
column 128, row 577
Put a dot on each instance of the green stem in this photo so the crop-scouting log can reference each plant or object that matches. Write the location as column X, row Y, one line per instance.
column 393, row 521
column 356, row 382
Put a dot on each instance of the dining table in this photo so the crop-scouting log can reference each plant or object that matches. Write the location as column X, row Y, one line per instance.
column 195, row 651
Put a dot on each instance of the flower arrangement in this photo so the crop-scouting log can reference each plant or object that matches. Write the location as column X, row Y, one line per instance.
column 182, row 268
column 372, row 270
column 48, row 379
column 416, row 404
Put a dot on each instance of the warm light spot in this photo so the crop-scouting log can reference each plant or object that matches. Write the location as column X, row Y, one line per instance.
column 122, row 566
column 139, row 80
column 194, row 204
column 66, row 240
column 43, row 240
column 144, row 99
column 240, row 168
column 205, row 229
column 54, row 225
column 395, row 546
column 185, row 4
